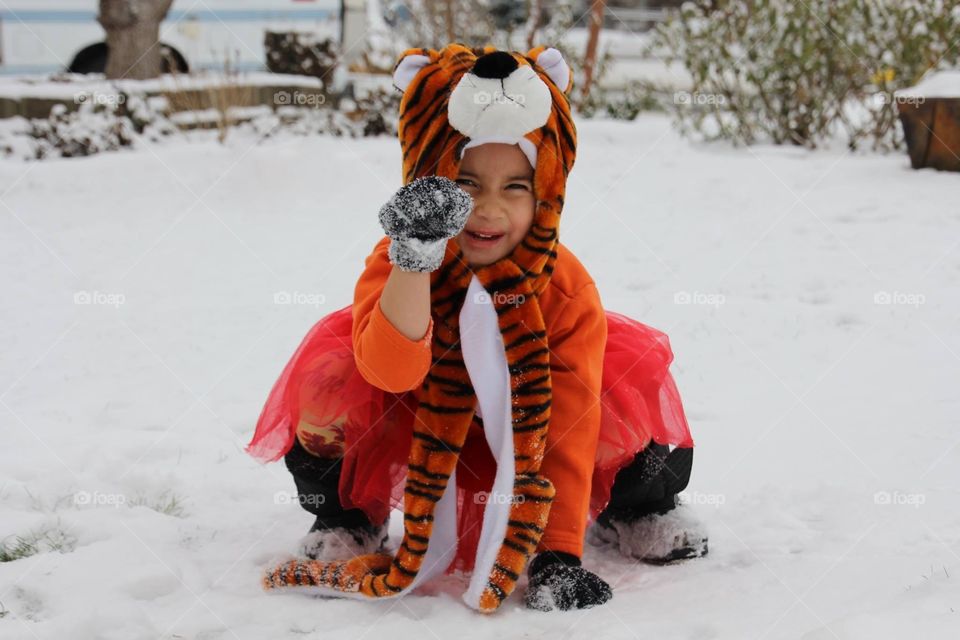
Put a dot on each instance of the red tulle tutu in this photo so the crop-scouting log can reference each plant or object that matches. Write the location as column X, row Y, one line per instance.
column 321, row 384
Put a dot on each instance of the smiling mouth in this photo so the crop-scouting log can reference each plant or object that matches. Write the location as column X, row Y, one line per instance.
column 482, row 241
column 484, row 236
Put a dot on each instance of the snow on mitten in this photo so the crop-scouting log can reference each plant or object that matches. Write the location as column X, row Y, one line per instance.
column 420, row 217
column 557, row 581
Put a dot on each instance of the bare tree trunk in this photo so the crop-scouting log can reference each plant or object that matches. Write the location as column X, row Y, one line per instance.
column 450, row 30
column 133, row 36
column 590, row 59
column 536, row 10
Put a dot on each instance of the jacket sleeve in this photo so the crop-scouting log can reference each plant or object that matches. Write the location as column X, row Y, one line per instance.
column 385, row 358
column 577, row 342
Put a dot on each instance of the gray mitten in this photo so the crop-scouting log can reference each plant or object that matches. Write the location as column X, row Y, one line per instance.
column 420, row 217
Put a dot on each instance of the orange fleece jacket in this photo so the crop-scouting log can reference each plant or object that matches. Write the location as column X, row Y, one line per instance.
column 576, row 334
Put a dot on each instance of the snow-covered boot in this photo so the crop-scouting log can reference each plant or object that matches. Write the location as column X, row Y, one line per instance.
column 643, row 517
column 337, row 533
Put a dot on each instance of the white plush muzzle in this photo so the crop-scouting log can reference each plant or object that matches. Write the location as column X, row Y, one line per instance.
column 503, row 107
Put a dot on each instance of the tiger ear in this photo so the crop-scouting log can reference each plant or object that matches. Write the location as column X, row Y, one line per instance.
column 552, row 62
column 411, row 61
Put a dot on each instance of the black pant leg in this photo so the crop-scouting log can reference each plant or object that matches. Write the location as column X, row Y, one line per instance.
column 317, row 481
column 650, row 483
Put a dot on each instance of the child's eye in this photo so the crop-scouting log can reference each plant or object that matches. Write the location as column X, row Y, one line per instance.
column 466, row 182
column 518, row 185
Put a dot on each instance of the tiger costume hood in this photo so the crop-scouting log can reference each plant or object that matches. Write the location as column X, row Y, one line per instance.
column 490, row 355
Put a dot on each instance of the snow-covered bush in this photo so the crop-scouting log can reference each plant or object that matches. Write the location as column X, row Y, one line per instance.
column 378, row 112
column 624, row 103
column 112, row 123
column 801, row 72
column 638, row 96
column 598, row 99
column 370, row 114
column 90, row 129
column 122, row 120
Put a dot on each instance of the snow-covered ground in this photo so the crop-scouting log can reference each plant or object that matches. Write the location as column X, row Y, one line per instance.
column 812, row 302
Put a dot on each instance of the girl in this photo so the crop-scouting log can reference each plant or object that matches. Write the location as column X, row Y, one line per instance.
column 476, row 382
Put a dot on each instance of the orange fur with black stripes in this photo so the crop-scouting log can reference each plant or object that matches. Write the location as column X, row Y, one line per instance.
column 447, row 403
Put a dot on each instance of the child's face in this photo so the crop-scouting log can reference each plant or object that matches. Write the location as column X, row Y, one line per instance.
column 500, row 180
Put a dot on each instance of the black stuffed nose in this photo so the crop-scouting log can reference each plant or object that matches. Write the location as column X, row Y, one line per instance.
column 498, row 64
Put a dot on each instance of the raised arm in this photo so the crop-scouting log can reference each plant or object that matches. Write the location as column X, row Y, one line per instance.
column 392, row 324
column 389, row 357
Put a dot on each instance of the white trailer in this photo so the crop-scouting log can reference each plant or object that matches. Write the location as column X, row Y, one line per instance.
column 42, row 36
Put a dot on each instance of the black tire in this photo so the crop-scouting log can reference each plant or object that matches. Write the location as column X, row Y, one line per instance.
column 93, row 59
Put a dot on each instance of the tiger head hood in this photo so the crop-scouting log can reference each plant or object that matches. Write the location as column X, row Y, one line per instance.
column 460, row 97
column 490, row 355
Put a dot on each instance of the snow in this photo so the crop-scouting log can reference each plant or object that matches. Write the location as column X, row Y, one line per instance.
column 810, row 297
column 935, row 84
column 68, row 86
column 656, row 537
